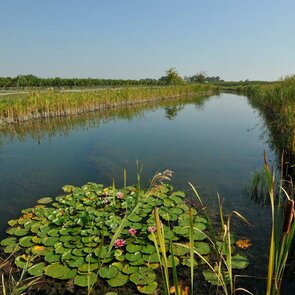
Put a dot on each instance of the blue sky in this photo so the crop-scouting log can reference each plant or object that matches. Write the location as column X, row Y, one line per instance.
column 235, row 39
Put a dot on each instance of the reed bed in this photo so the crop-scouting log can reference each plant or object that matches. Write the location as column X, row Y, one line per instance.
column 277, row 102
column 45, row 104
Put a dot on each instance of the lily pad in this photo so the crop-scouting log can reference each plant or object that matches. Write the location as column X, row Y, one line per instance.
column 202, row 248
column 129, row 269
column 8, row 241
column 120, row 280
column 85, row 280
column 108, row 272
column 56, row 270
column 148, row 289
column 37, row 269
column 143, row 276
column 26, row 241
column 212, row 277
column 50, row 257
column 45, row 200
column 240, row 262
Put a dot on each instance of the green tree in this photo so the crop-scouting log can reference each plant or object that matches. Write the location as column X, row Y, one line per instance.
column 172, row 78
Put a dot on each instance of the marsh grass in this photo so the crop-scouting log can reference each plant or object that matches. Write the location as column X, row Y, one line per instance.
column 45, row 104
column 277, row 102
column 15, row 282
column 282, row 232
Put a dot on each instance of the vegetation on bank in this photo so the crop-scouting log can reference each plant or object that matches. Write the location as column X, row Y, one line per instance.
column 277, row 101
column 45, row 104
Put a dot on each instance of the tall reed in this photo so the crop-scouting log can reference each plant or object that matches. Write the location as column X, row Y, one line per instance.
column 44, row 104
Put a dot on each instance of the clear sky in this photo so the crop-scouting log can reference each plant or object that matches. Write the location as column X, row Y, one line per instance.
column 235, row 39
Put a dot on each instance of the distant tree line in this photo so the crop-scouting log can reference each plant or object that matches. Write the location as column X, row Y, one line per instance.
column 23, row 81
column 171, row 77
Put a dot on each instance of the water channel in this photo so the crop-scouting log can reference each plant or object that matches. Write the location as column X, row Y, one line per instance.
column 215, row 143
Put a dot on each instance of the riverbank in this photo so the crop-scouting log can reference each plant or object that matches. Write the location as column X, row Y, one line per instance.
column 276, row 103
column 46, row 104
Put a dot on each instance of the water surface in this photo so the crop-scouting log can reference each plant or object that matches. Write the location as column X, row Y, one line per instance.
column 214, row 143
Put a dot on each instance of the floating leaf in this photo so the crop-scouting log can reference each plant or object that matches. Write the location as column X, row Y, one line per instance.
column 45, row 200
column 148, row 289
column 56, row 270
column 132, row 248
column 23, row 261
column 212, row 277
column 128, row 269
column 50, row 241
column 50, row 257
column 20, row 231
column 119, row 280
column 37, row 269
column 8, row 241
column 11, row 248
column 26, row 241
column 143, row 276
column 133, row 256
column 239, row 262
column 180, row 250
column 85, row 280
column 88, row 267
column 202, row 248
column 108, row 272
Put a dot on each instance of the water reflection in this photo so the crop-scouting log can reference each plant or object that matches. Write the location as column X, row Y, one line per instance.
column 42, row 130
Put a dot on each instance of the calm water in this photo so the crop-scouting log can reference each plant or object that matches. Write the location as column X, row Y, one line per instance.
column 216, row 144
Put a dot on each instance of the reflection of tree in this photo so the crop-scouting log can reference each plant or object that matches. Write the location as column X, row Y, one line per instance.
column 171, row 111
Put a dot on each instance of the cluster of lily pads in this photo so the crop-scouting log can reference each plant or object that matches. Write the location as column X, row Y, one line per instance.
column 72, row 237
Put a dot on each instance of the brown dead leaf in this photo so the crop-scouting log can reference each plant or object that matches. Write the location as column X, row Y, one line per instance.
column 243, row 243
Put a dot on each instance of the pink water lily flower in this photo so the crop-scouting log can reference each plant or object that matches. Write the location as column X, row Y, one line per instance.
column 132, row 231
column 119, row 243
column 152, row 229
column 120, row 195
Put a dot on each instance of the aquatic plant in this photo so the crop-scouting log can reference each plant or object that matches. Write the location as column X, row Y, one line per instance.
column 282, row 232
column 84, row 236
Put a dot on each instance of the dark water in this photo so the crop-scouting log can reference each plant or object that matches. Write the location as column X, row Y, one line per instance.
column 214, row 143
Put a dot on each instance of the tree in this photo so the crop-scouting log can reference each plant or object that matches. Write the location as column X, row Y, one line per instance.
column 172, row 78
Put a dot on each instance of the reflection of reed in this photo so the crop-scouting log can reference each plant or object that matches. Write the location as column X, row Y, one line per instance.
column 49, row 127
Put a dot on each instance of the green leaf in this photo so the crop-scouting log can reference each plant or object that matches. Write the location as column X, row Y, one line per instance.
column 85, row 280
column 56, row 270
column 50, row 241
column 143, row 276
column 133, row 256
column 108, row 272
column 132, row 248
column 50, row 257
column 128, row 269
column 26, row 241
column 212, row 278
column 23, row 261
column 45, row 200
column 88, row 267
column 20, row 231
column 240, row 262
column 8, row 241
column 148, row 289
column 180, row 250
column 202, row 248
column 37, row 269
column 119, row 280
